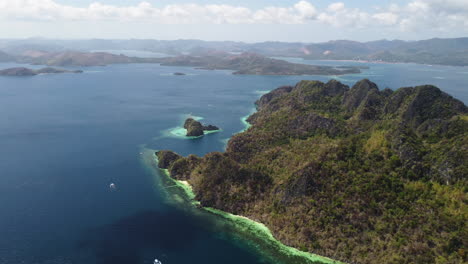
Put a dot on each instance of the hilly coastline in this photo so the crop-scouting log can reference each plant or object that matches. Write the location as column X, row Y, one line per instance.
column 356, row 174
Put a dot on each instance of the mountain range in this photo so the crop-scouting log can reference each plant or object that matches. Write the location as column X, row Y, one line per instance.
column 432, row 51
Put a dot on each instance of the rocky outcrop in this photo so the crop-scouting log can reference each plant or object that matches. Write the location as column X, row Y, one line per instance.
column 266, row 98
column 354, row 97
column 196, row 129
column 429, row 102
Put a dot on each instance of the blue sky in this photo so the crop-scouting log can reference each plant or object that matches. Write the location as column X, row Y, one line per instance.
column 241, row 20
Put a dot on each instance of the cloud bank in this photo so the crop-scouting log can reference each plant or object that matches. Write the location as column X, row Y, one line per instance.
column 416, row 15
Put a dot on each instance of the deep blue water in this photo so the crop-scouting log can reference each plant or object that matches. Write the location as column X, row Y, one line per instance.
column 64, row 138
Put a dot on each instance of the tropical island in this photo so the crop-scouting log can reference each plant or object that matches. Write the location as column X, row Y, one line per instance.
column 21, row 71
column 254, row 64
column 357, row 174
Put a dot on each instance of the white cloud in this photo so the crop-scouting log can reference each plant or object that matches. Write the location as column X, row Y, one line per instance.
column 336, row 7
column 170, row 14
column 415, row 15
column 338, row 15
column 305, row 9
column 386, row 18
column 439, row 15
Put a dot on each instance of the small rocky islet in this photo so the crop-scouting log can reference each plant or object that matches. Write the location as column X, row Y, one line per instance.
column 196, row 129
column 357, row 174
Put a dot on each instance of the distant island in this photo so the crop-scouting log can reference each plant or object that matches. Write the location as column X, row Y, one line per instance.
column 357, row 174
column 21, row 71
column 73, row 58
column 253, row 64
column 245, row 63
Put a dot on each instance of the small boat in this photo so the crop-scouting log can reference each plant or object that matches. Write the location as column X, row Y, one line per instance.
column 112, row 186
column 156, row 261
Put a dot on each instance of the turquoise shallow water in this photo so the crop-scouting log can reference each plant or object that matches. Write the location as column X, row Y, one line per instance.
column 65, row 138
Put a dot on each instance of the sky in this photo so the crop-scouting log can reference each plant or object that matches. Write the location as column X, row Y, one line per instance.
column 240, row 20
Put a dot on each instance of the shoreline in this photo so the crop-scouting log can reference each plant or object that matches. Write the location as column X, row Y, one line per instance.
column 258, row 226
column 246, row 124
column 244, row 223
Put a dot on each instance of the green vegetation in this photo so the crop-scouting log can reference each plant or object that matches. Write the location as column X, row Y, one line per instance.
column 359, row 175
column 253, row 64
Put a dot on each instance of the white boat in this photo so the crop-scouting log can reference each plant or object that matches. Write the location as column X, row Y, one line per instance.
column 112, row 186
column 156, row 261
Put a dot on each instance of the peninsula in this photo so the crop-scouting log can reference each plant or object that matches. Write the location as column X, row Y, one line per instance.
column 357, row 174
